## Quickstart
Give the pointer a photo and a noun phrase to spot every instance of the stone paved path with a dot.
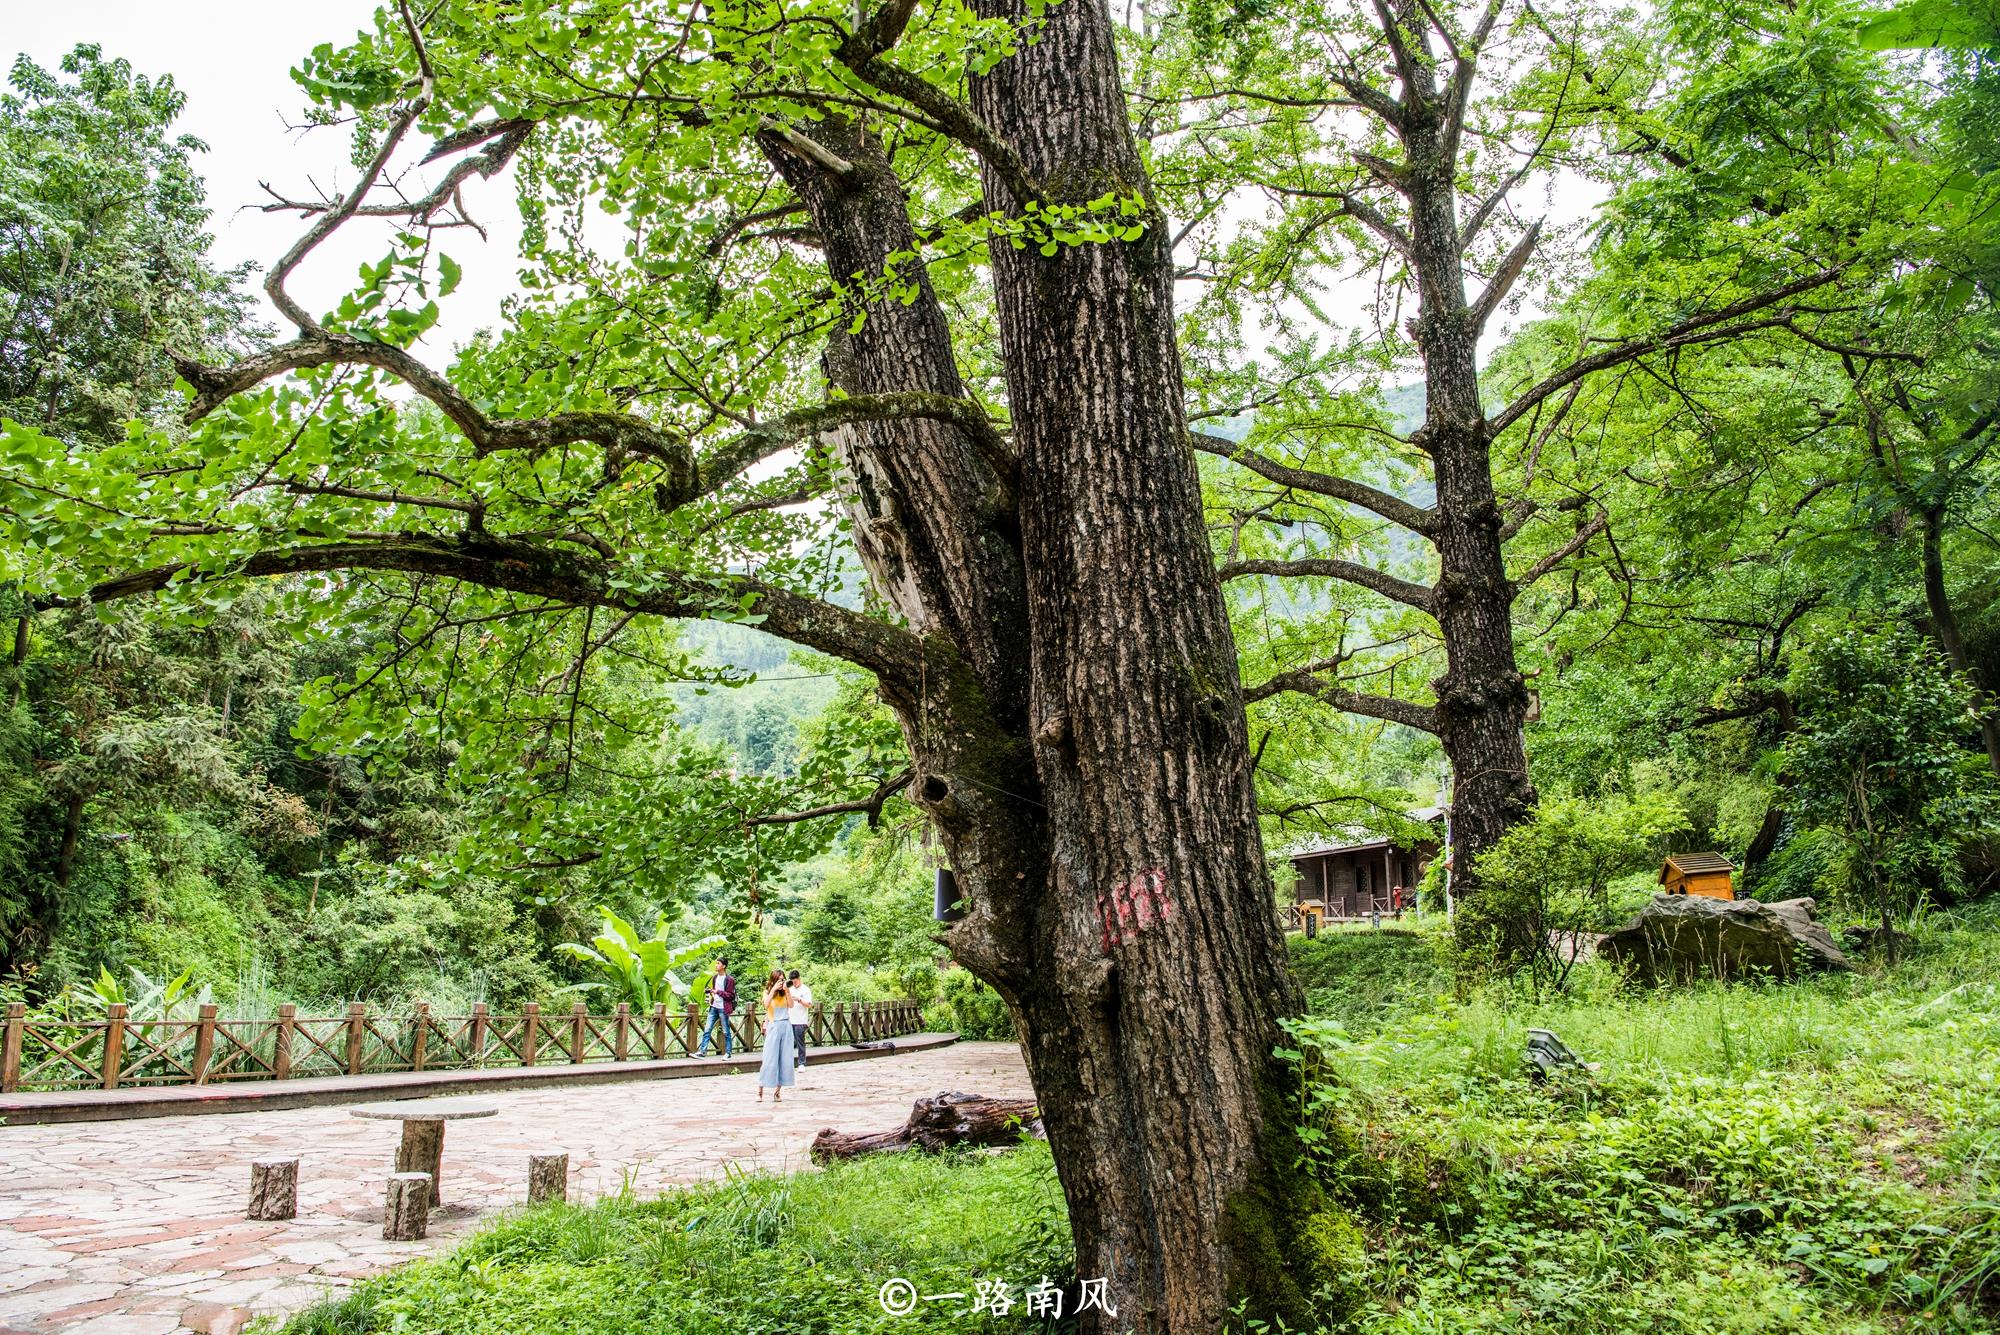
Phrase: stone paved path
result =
(137, 1228)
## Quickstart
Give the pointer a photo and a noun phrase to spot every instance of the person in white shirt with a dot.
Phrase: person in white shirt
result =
(802, 1006)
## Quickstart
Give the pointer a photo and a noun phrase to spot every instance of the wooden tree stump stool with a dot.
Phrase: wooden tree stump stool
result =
(421, 1149)
(406, 1212)
(274, 1189)
(548, 1178)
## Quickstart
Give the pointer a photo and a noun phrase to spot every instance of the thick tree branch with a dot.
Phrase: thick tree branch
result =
(1503, 279)
(1465, 67)
(1408, 69)
(1520, 511)
(1419, 596)
(503, 139)
(810, 149)
(1721, 323)
(1765, 702)
(1584, 533)
(871, 804)
(1311, 680)
(618, 433)
(1470, 231)
(862, 53)
(575, 580)
(1352, 206)
(767, 438)
(385, 497)
(1392, 508)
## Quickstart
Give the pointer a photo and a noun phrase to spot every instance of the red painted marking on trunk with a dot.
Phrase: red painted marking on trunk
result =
(1134, 906)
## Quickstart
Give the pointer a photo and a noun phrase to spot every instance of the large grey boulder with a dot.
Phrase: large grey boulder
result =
(1682, 937)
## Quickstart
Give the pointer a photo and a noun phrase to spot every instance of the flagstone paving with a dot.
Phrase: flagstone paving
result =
(137, 1227)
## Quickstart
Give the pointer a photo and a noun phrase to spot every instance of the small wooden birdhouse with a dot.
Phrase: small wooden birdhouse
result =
(1704, 874)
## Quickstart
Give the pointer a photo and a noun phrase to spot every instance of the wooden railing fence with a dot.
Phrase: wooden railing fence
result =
(119, 1050)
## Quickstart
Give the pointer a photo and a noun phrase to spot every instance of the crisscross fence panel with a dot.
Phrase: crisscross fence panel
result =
(120, 1051)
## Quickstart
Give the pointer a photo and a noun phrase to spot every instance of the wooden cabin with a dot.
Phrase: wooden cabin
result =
(1351, 881)
(1704, 874)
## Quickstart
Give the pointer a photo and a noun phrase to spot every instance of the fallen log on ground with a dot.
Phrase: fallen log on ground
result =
(938, 1123)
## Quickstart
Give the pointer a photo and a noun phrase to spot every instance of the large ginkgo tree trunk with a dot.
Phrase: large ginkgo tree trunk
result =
(1054, 646)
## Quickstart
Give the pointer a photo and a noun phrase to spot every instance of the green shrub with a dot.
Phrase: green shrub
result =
(846, 982)
(969, 1007)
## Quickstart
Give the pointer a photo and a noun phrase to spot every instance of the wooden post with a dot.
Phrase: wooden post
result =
(476, 1040)
(357, 1020)
(281, 1048)
(548, 1178)
(204, 1043)
(10, 1050)
(692, 1030)
(578, 1018)
(274, 1189)
(406, 1213)
(420, 1038)
(659, 1030)
(114, 1043)
(621, 1038)
(531, 1019)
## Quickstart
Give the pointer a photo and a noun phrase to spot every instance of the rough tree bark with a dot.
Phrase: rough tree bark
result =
(72, 832)
(1482, 700)
(274, 1189)
(548, 1178)
(1078, 731)
(406, 1207)
(1950, 638)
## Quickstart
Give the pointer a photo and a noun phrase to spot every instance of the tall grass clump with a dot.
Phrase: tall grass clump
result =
(805, 1253)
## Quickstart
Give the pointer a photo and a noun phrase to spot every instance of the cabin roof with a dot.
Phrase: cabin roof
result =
(1694, 864)
(1334, 850)
(1352, 844)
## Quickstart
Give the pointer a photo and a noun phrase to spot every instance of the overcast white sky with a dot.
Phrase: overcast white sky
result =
(232, 58)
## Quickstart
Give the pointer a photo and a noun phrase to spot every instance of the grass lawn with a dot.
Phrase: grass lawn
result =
(1815, 1157)
(749, 1255)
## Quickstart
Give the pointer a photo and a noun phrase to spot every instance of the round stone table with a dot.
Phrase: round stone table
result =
(422, 1147)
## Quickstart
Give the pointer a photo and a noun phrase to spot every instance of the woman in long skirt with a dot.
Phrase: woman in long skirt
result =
(778, 1070)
